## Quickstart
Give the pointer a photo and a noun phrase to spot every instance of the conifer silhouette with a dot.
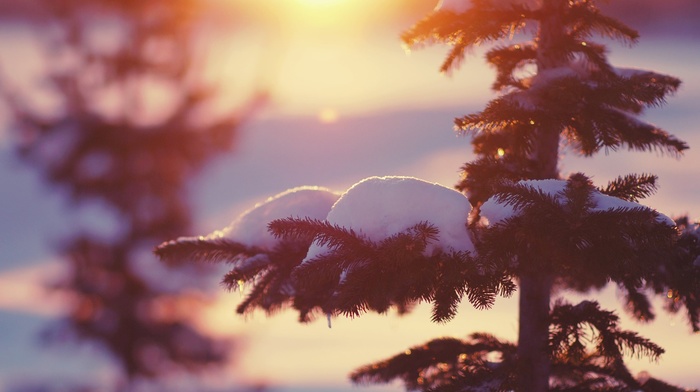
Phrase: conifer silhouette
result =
(531, 228)
(130, 164)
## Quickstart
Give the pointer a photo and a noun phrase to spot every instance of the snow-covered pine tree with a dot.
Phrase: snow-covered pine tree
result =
(526, 227)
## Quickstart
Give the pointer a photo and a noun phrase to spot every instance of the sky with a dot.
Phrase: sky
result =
(347, 102)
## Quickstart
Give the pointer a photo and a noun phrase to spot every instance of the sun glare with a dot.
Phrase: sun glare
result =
(312, 56)
(329, 14)
(328, 116)
(320, 3)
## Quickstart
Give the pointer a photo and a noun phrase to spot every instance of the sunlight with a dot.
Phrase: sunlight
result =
(293, 16)
(327, 14)
(328, 116)
(321, 3)
(345, 55)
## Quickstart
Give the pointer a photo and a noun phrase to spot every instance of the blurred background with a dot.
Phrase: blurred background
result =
(127, 123)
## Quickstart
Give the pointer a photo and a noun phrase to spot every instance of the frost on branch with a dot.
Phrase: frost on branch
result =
(256, 256)
(393, 241)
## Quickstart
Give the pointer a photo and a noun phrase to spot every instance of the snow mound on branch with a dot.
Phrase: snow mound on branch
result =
(250, 228)
(494, 211)
(379, 207)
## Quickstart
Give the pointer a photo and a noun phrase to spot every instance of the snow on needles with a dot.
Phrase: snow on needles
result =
(494, 211)
(250, 228)
(379, 207)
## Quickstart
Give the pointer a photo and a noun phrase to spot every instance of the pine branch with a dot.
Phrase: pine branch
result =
(612, 129)
(592, 116)
(568, 235)
(594, 113)
(445, 363)
(594, 55)
(507, 60)
(641, 136)
(524, 196)
(200, 249)
(482, 23)
(321, 232)
(591, 375)
(586, 18)
(677, 278)
(637, 303)
(642, 89)
(578, 194)
(478, 280)
(631, 344)
(481, 178)
(246, 268)
(315, 284)
(362, 275)
(397, 272)
(271, 292)
(639, 221)
(231, 282)
(500, 113)
(483, 362)
(631, 187)
(415, 237)
(568, 336)
(511, 141)
(626, 244)
(269, 277)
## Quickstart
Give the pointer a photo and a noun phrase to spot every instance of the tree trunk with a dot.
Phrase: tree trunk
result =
(533, 334)
(536, 283)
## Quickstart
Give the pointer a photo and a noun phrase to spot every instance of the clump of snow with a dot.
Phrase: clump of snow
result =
(379, 207)
(250, 228)
(493, 211)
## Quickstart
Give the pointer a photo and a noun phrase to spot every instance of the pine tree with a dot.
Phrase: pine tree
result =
(531, 229)
(133, 166)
